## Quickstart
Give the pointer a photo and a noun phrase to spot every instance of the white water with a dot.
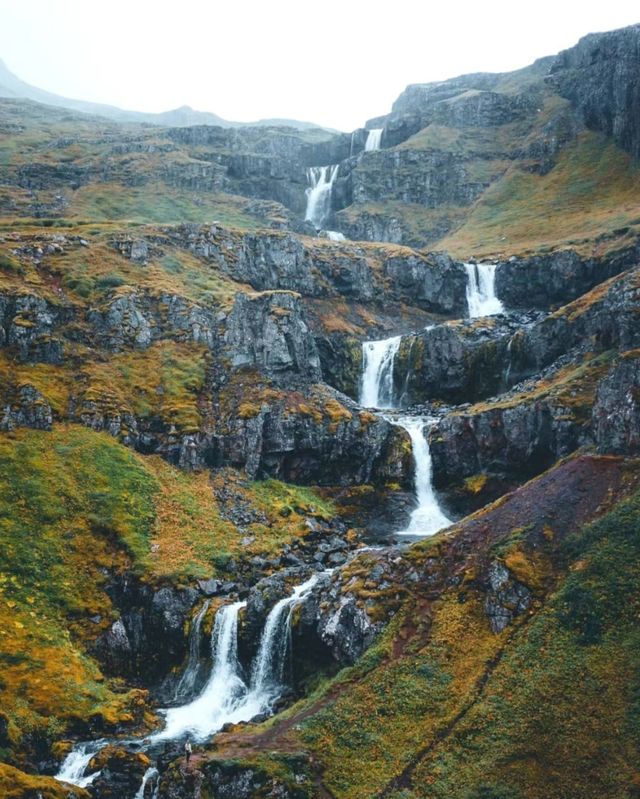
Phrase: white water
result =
(75, 764)
(268, 669)
(319, 193)
(428, 518)
(226, 697)
(149, 774)
(481, 293)
(187, 682)
(373, 140)
(335, 235)
(376, 390)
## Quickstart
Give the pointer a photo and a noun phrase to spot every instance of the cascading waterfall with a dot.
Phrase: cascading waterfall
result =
(187, 682)
(378, 357)
(481, 294)
(226, 697)
(373, 140)
(150, 774)
(321, 180)
(428, 517)
(268, 669)
(221, 699)
(75, 764)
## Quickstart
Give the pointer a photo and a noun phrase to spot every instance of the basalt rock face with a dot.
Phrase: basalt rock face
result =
(271, 261)
(457, 362)
(342, 447)
(616, 411)
(511, 443)
(420, 177)
(543, 281)
(604, 318)
(226, 779)
(28, 409)
(434, 283)
(136, 319)
(601, 77)
(130, 646)
(506, 597)
(269, 332)
(334, 619)
(26, 325)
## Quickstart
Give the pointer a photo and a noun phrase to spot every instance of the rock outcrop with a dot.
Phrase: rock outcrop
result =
(543, 281)
(616, 411)
(600, 77)
(269, 332)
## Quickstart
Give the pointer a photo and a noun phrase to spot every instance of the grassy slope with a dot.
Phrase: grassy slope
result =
(442, 707)
(559, 714)
(74, 503)
(593, 189)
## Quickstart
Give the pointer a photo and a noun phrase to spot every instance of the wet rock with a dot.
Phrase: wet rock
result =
(120, 774)
(130, 646)
(543, 281)
(511, 442)
(342, 447)
(210, 587)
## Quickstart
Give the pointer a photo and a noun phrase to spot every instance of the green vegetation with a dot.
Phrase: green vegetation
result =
(75, 506)
(591, 190)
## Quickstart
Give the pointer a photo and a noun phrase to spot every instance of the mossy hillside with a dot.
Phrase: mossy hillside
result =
(75, 507)
(571, 388)
(72, 505)
(16, 784)
(591, 190)
(372, 727)
(559, 716)
(163, 382)
(548, 709)
(90, 272)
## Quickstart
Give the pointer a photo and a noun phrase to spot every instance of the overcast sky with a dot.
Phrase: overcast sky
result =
(334, 62)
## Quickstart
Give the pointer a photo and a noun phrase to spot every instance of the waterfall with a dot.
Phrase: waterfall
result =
(319, 193)
(187, 682)
(221, 698)
(268, 668)
(378, 357)
(481, 293)
(373, 140)
(226, 697)
(509, 357)
(428, 517)
(75, 764)
(150, 774)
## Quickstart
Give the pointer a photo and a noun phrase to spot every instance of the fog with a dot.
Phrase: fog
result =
(334, 63)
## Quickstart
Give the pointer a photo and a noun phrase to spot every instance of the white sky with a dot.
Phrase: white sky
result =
(334, 62)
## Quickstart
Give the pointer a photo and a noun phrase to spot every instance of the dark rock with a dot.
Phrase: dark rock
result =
(557, 278)
(29, 409)
(506, 597)
(601, 77)
(210, 587)
(616, 411)
(269, 331)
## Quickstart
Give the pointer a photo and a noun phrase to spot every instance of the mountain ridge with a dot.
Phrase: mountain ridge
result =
(12, 86)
